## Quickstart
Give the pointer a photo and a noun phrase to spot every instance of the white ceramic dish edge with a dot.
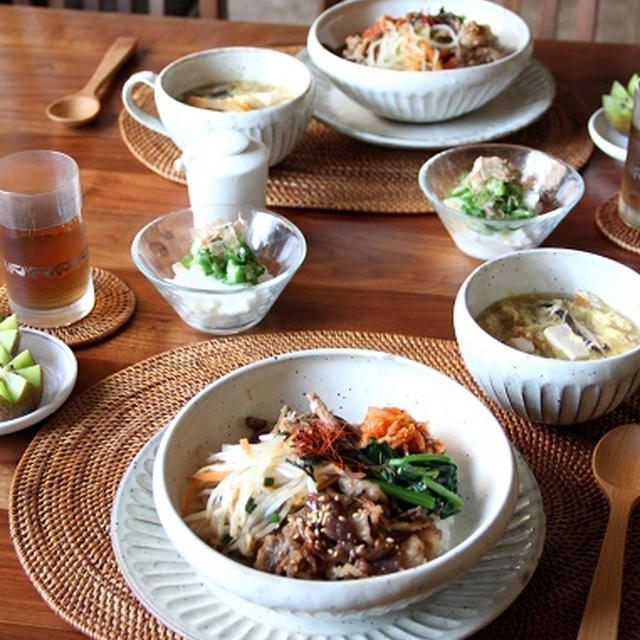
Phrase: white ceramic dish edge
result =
(605, 137)
(505, 114)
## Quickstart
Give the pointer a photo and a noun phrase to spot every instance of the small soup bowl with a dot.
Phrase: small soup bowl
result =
(279, 126)
(548, 390)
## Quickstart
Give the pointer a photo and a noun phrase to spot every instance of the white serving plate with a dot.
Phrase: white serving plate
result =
(526, 99)
(605, 137)
(60, 369)
(181, 599)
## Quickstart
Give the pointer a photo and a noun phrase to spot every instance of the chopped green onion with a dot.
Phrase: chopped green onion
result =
(250, 505)
(187, 260)
(235, 273)
(496, 187)
(227, 257)
(268, 481)
(274, 517)
(205, 261)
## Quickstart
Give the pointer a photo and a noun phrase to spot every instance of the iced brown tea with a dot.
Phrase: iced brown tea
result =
(629, 199)
(45, 268)
(44, 257)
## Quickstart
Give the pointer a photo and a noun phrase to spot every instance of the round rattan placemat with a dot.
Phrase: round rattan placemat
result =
(331, 171)
(610, 223)
(115, 302)
(63, 488)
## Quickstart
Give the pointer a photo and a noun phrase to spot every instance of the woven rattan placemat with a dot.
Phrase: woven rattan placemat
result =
(64, 487)
(331, 171)
(610, 223)
(115, 303)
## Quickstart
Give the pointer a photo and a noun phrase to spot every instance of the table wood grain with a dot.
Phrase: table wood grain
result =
(363, 271)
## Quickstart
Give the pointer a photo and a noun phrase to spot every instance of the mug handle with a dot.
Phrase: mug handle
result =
(143, 117)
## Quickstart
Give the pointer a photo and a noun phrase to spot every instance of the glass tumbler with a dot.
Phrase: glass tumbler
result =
(629, 198)
(43, 245)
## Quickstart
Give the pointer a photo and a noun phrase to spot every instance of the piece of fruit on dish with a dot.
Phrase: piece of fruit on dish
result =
(9, 333)
(618, 104)
(21, 378)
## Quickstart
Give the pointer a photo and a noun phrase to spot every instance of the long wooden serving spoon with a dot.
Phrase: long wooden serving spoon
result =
(83, 106)
(616, 466)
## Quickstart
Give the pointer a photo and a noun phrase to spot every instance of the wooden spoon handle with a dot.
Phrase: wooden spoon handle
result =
(112, 60)
(602, 611)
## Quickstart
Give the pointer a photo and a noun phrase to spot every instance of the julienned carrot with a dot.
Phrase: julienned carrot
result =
(197, 480)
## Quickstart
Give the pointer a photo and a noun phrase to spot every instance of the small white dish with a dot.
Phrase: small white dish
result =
(526, 99)
(60, 370)
(181, 599)
(605, 137)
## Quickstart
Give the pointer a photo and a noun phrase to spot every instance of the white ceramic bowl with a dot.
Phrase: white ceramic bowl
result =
(276, 241)
(482, 238)
(348, 380)
(279, 127)
(418, 96)
(541, 389)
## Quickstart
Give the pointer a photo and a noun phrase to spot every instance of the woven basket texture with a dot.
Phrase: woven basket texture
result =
(610, 223)
(115, 303)
(65, 484)
(330, 171)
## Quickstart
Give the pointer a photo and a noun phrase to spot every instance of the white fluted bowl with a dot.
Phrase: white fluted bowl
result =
(349, 381)
(418, 96)
(541, 389)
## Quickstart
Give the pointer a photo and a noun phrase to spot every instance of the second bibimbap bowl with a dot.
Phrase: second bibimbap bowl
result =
(334, 481)
(420, 61)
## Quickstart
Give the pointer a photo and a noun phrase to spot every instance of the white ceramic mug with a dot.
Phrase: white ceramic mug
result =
(279, 127)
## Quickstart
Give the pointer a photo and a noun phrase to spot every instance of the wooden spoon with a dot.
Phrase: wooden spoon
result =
(616, 466)
(83, 106)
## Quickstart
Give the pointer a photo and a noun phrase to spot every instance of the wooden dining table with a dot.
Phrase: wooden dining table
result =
(364, 271)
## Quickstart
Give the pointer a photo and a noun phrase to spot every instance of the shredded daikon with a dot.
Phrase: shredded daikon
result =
(241, 508)
(422, 42)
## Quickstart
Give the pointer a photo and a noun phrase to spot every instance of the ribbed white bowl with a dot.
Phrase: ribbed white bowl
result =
(548, 390)
(279, 127)
(348, 380)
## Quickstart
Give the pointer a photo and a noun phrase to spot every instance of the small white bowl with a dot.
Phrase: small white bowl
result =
(418, 96)
(223, 310)
(483, 238)
(548, 390)
(349, 381)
